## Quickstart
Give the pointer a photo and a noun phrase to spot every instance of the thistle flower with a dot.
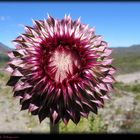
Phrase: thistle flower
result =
(60, 69)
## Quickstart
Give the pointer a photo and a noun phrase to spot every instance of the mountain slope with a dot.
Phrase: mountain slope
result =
(4, 48)
(3, 57)
(126, 59)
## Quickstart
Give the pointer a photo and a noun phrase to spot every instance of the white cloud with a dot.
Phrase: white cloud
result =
(20, 25)
(3, 18)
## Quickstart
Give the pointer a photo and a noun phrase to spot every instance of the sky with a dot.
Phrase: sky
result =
(117, 22)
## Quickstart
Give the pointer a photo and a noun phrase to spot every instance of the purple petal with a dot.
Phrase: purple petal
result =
(16, 72)
(32, 107)
(13, 80)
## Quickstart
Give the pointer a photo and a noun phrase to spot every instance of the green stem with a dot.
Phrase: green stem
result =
(54, 129)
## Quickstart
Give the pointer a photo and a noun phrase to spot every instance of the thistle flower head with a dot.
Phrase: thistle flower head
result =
(60, 69)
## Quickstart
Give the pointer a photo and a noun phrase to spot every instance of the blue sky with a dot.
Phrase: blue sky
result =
(117, 22)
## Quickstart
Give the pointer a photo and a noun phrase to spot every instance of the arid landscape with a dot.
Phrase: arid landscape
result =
(119, 115)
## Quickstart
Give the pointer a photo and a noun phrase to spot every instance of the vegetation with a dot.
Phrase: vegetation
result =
(3, 60)
(135, 88)
(126, 60)
(127, 63)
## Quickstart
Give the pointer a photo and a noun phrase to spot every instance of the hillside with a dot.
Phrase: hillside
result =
(3, 48)
(3, 56)
(121, 51)
(126, 59)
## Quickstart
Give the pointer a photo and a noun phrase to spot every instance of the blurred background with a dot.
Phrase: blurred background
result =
(119, 24)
